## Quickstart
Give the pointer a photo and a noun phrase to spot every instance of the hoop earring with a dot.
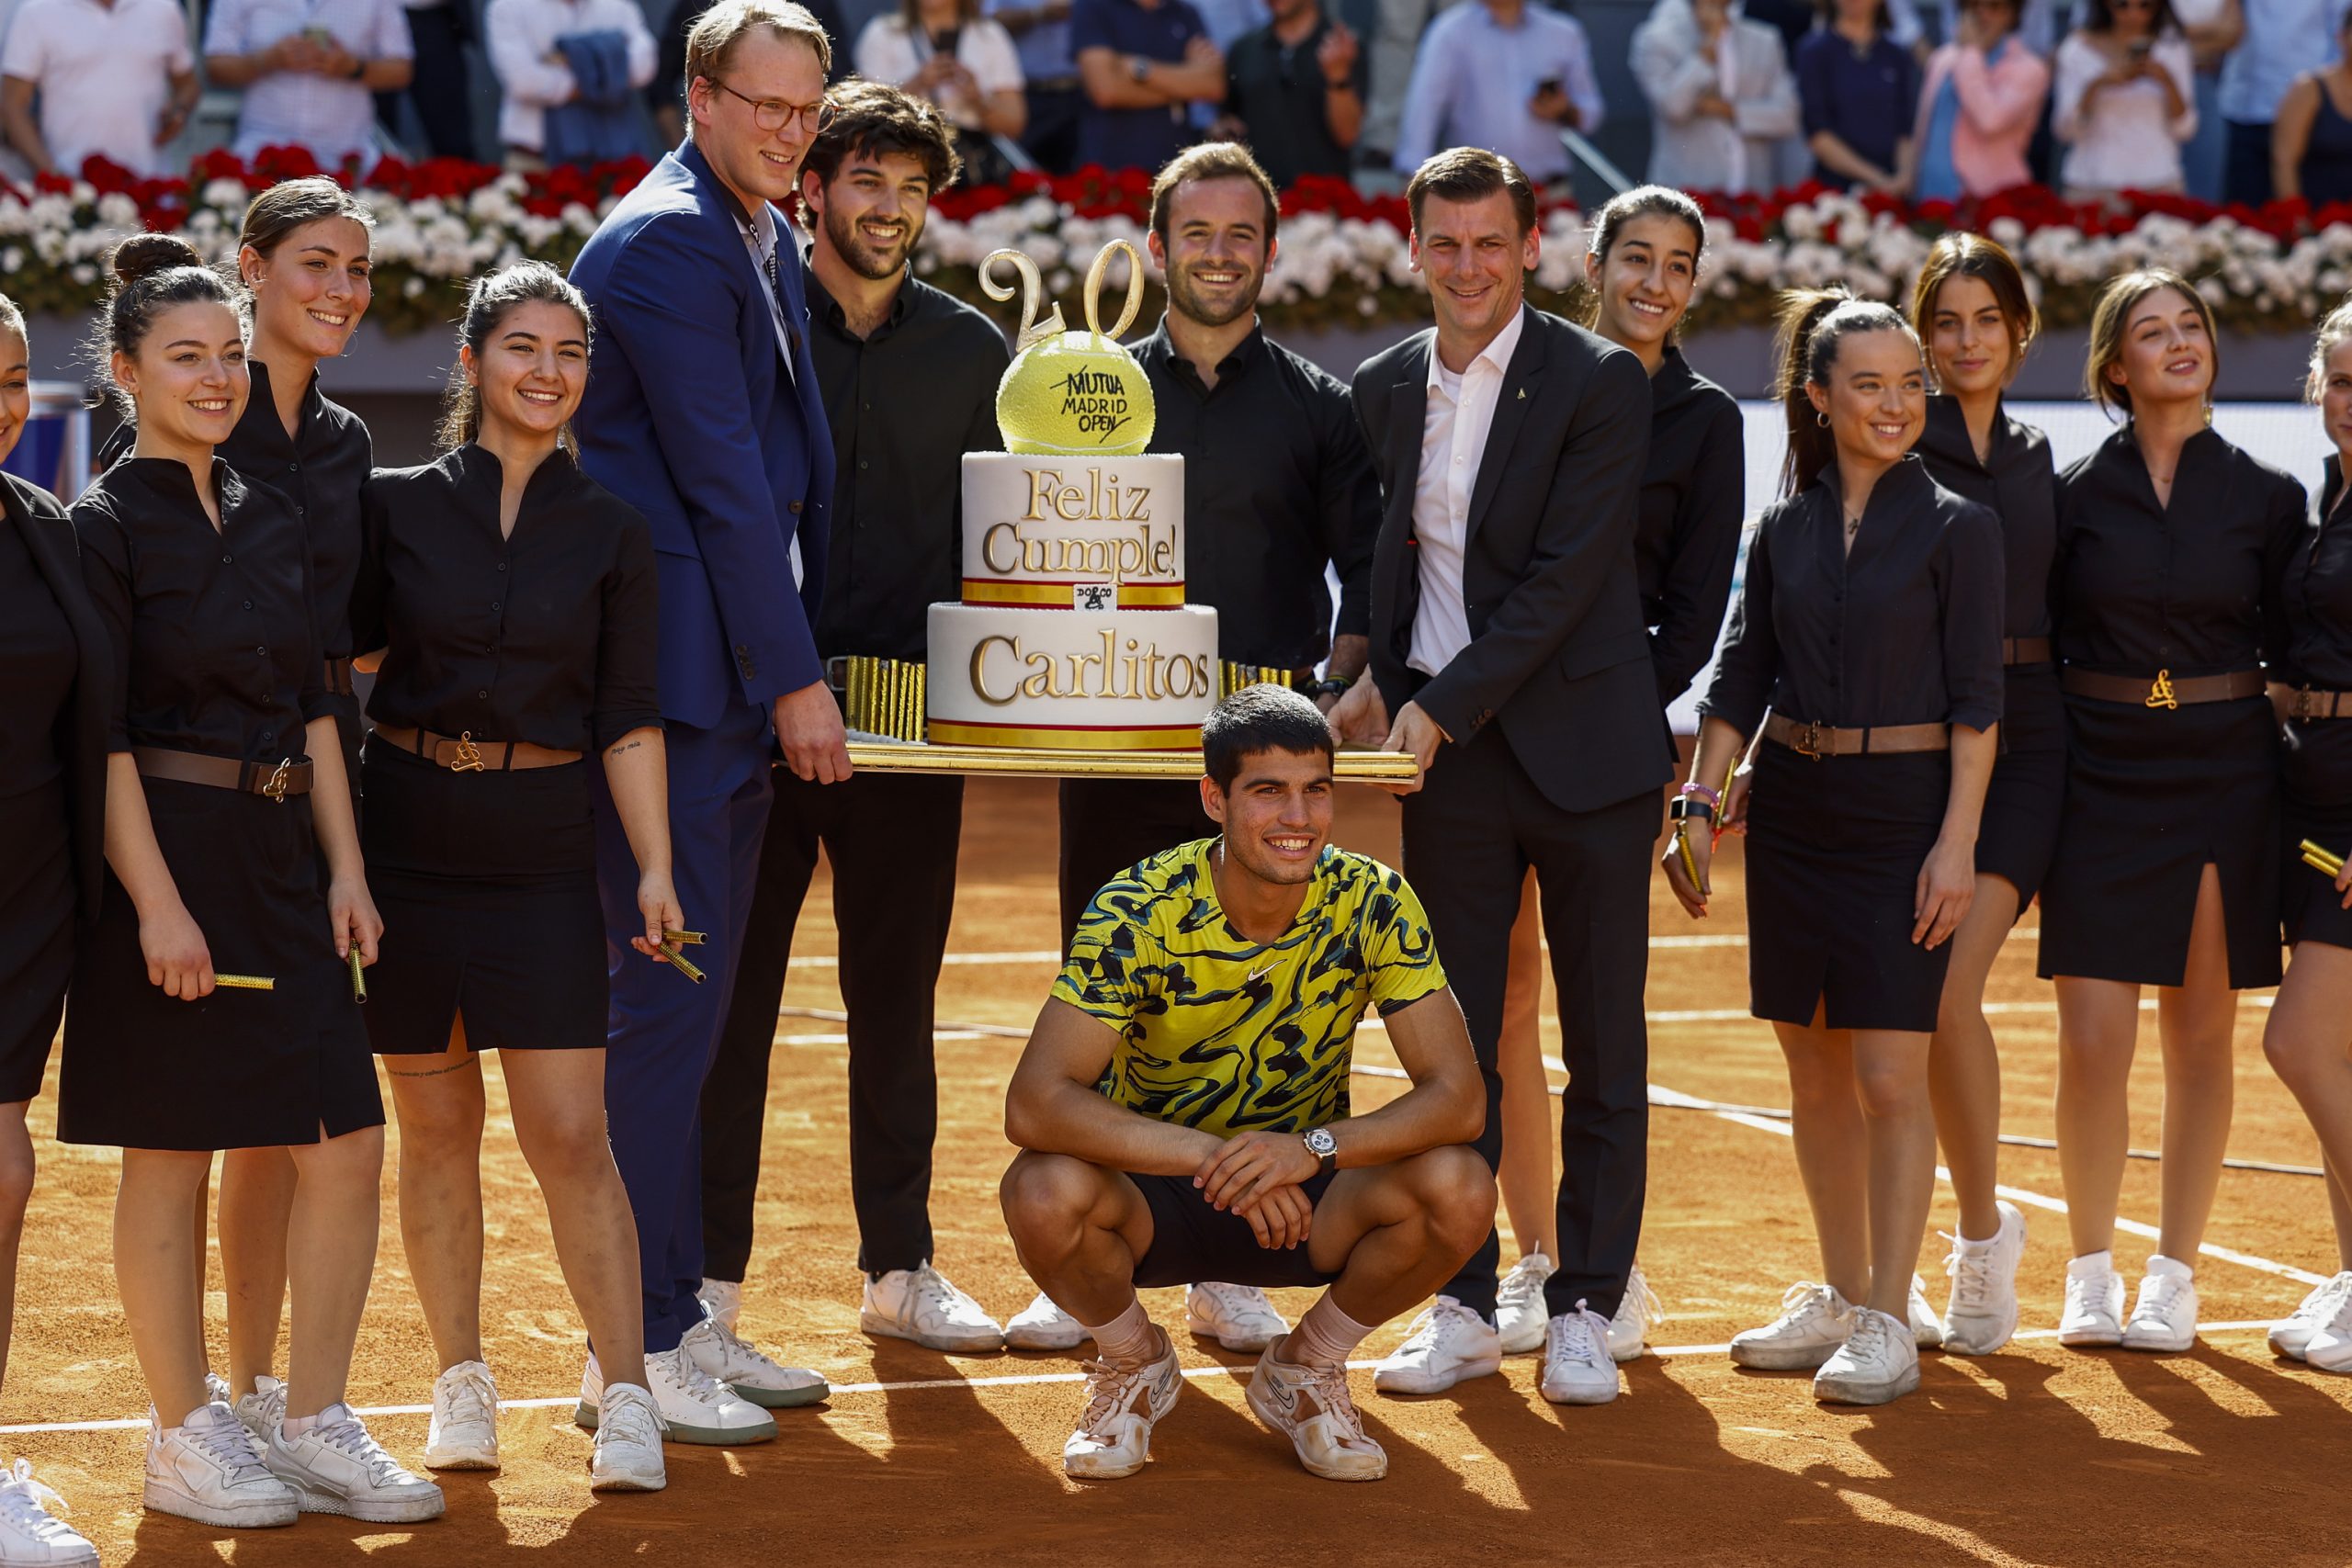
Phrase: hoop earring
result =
(1821, 418)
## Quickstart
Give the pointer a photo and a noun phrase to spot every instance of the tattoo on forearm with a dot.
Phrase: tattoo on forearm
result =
(431, 1072)
(623, 746)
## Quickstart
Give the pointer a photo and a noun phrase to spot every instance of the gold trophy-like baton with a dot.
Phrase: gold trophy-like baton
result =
(2322, 859)
(244, 982)
(678, 961)
(358, 976)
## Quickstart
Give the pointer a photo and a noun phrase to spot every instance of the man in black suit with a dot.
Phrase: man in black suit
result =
(1507, 640)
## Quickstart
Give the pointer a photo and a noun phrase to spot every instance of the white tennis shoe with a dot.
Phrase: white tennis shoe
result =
(1042, 1326)
(1123, 1403)
(2094, 1310)
(2330, 1348)
(463, 1433)
(1311, 1407)
(1983, 1311)
(264, 1410)
(1638, 1311)
(723, 1297)
(923, 1304)
(627, 1456)
(2164, 1315)
(1926, 1328)
(693, 1406)
(337, 1468)
(1519, 1313)
(1577, 1367)
(30, 1536)
(1447, 1343)
(1878, 1362)
(2291, 1334)
(1815, 1320)
(209, 1468)
(1238, 1317)
(756, 1378)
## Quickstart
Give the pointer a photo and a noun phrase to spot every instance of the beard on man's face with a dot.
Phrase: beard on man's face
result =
(1220, 310)
(866, 258)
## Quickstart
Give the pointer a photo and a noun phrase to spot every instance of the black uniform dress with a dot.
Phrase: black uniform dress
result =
(213, 647)
(487, 881)
(2019, 484)
(1686, 540)
(54, 687)
(2154, 794)
(2318, 771)
(1905, 628)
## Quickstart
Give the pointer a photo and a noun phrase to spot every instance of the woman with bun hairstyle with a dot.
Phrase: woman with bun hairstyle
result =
(1971, 309)
(2173, 548)
(513, 599)
(214, 1005)
(2309, 1036)
(1870, 628)
(56, 683)
(1642, 271)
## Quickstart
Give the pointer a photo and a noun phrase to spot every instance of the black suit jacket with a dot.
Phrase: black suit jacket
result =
(1558, 653)
(82, 735)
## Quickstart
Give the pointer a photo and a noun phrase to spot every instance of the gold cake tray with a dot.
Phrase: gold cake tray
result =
(882, 755)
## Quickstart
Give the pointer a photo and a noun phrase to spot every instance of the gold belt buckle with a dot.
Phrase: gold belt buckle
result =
(2160, 693)
(1809, 743)
(2303, 708)
(468, 757)
(275, 785)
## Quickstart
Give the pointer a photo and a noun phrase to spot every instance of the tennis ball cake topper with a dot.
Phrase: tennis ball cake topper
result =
(1068, 393)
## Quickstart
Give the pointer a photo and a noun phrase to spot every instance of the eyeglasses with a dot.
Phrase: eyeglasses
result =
(773, 114)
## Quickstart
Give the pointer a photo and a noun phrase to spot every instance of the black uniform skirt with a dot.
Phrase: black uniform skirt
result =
(487, 884)
(2319, 807)
(2153, 794)
(239, 1069)
(35, 934)
(1834, 852)
(2020, 829)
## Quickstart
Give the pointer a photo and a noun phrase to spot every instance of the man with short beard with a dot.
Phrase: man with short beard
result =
(909, 376)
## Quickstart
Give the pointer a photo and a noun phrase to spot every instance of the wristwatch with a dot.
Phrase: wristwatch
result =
(1139, 67)
(1325, 1148)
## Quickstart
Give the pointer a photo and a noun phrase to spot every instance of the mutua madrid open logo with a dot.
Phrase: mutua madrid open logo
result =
(1096, 400)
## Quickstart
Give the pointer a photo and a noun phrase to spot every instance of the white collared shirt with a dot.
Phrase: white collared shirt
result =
(761, 236)
(1453, 440)
(334, 118)
(104, 74)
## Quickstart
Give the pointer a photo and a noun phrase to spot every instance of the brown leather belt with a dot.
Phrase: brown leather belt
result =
(2026, 650)
(339, 677)
(273, 780)
(1819, 740)
(2163, 692)
(467, 755)
(2313, 704)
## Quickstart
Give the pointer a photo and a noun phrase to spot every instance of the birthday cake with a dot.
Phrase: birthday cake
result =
(1072, 631)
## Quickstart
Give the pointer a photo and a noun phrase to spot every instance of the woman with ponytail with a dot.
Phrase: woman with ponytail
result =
(514, 600)
(1869, 630)
(1641, 274)
(1972, 310)
(215, 1004)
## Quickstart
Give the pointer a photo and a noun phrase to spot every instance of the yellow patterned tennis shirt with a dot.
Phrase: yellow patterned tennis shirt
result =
(1229, 1036)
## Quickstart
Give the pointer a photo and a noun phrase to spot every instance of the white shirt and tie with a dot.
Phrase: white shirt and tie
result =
(760, 234)
(1454, 427)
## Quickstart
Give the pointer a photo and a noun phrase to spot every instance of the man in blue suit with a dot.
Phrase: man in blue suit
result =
(703, 411)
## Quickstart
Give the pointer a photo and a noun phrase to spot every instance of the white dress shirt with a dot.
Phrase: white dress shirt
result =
(1454, 441)
(889, 51)
(761, 238)
(103, 74)
(522, 37)
(2123, 139)
(1474, 78)
(335, 118)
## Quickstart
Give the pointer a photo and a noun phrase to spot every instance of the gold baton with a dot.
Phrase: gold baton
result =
(245, 982)
(678, 962)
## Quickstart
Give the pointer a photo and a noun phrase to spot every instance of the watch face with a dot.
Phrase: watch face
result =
(1321, 1141)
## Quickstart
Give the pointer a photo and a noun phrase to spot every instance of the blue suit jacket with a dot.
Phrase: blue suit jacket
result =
(690, 418)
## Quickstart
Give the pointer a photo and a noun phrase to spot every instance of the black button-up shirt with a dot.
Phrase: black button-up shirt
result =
(38, 663)
(905, 404)
(549, 635)
(2193, 587)
(1277, 485)
(2019, 483)
(1692, 502)
(1905, 628)
(1279, 93)
(211, 630)
(2317, 596)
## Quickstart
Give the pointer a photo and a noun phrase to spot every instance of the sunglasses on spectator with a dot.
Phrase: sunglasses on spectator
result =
(772, 114)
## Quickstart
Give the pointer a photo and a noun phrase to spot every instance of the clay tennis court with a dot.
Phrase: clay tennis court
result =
(2038, 1455)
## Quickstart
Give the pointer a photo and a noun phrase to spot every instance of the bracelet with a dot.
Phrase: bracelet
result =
(1684, 806)
(1713, 798)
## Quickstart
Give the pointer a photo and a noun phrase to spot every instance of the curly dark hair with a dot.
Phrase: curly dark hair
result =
(874, 119)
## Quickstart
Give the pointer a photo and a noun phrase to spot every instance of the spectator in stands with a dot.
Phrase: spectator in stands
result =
(308, 71)
(1720, 96)
(2283, 39)
(1396, 41)
(1294, 93)
(2040, 26)
(963, 61)
(1506, 76)
(1040, 31)
(2125, 101)
(1860, 92)
(113, 77)
(2213, 27)
(2311, 141)
(438, 32)
(1978, 107)
(1144, 64)
(665, 95)
(569, 72)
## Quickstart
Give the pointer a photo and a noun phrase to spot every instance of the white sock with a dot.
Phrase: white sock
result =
(1127, 1338)
(1326, 1336)
(2160, 1267)
(2091, 1263)
(296, 1426)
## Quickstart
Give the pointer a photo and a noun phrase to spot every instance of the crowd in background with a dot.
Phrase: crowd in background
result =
(2236, 100)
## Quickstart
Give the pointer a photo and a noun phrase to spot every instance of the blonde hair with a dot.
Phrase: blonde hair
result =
(710, 47)
(2113, 313)
(2334, 332)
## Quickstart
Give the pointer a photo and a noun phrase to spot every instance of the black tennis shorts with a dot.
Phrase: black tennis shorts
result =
(1192, 1241)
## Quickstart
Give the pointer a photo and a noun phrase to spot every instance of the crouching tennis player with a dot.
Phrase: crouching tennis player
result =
(1183, 1104)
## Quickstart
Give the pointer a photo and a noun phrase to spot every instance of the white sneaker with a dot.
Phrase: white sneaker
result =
(1982, 1311)
(336, 1467)
(1042, 1326)
(1638, 1311)
(209, 1470)
(693, 1407)
(2094, 1313)
(264, 1410)
(1311, 1405)
(1814, 1320)
(2164, 1316)
(923, 1306)
(1878, 1362)
(217, 1390)
(629, 1442)
(1577, 1367)
(1926, 1328)
(2329, 1349)
(757, 1379)
(463, 1433)
(1238, 1317)
(1448, 1343)
(723, 1297)
(1519, 1313)
(29, 1533)
(2291, 1334)
(1113, 1434)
